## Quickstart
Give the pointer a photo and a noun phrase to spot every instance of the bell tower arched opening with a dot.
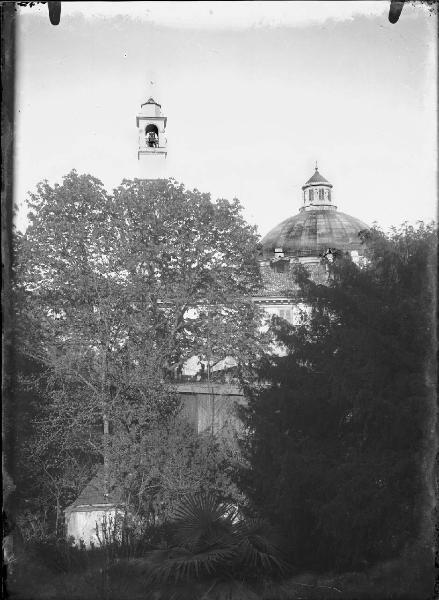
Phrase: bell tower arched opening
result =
(152, 136)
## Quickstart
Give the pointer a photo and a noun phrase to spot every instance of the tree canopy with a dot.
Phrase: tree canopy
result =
(112, 291)
(340, 428)
(144, 262)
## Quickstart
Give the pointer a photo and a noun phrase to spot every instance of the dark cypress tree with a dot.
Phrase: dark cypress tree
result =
(341, 428)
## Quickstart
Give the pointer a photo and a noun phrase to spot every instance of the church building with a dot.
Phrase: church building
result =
(317, 229)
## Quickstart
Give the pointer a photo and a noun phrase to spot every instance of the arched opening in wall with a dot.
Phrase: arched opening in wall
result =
(152, 136)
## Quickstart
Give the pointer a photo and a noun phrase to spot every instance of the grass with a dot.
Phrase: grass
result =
(58, 572)
(124, 581)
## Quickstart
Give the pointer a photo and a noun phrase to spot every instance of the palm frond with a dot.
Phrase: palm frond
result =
(257, 547)
(201, 521)
(211, 547)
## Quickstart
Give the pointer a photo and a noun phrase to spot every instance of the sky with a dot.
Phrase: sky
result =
(255, 93)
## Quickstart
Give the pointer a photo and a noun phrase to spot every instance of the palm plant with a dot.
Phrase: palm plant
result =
(212, 554)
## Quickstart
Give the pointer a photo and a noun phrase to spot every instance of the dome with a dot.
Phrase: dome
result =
(310, 233)
(318, 226)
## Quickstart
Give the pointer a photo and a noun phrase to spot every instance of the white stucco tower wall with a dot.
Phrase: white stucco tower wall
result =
(152, 142)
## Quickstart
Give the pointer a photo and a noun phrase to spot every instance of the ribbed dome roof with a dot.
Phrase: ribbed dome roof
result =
(310, 233)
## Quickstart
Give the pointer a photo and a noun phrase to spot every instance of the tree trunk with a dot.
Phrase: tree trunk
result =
(106, 461)
(58, 515)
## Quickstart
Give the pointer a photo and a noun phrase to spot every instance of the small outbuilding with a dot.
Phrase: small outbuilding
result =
(95, 513)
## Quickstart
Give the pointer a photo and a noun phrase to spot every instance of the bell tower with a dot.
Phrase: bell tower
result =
(152, 145)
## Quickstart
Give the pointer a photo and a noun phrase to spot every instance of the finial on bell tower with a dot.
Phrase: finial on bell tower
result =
(152, 145)
(317, 167)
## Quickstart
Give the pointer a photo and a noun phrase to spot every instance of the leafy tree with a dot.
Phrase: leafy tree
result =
(195, 261)
(340, 428)
(112, 291)
(171, 461)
